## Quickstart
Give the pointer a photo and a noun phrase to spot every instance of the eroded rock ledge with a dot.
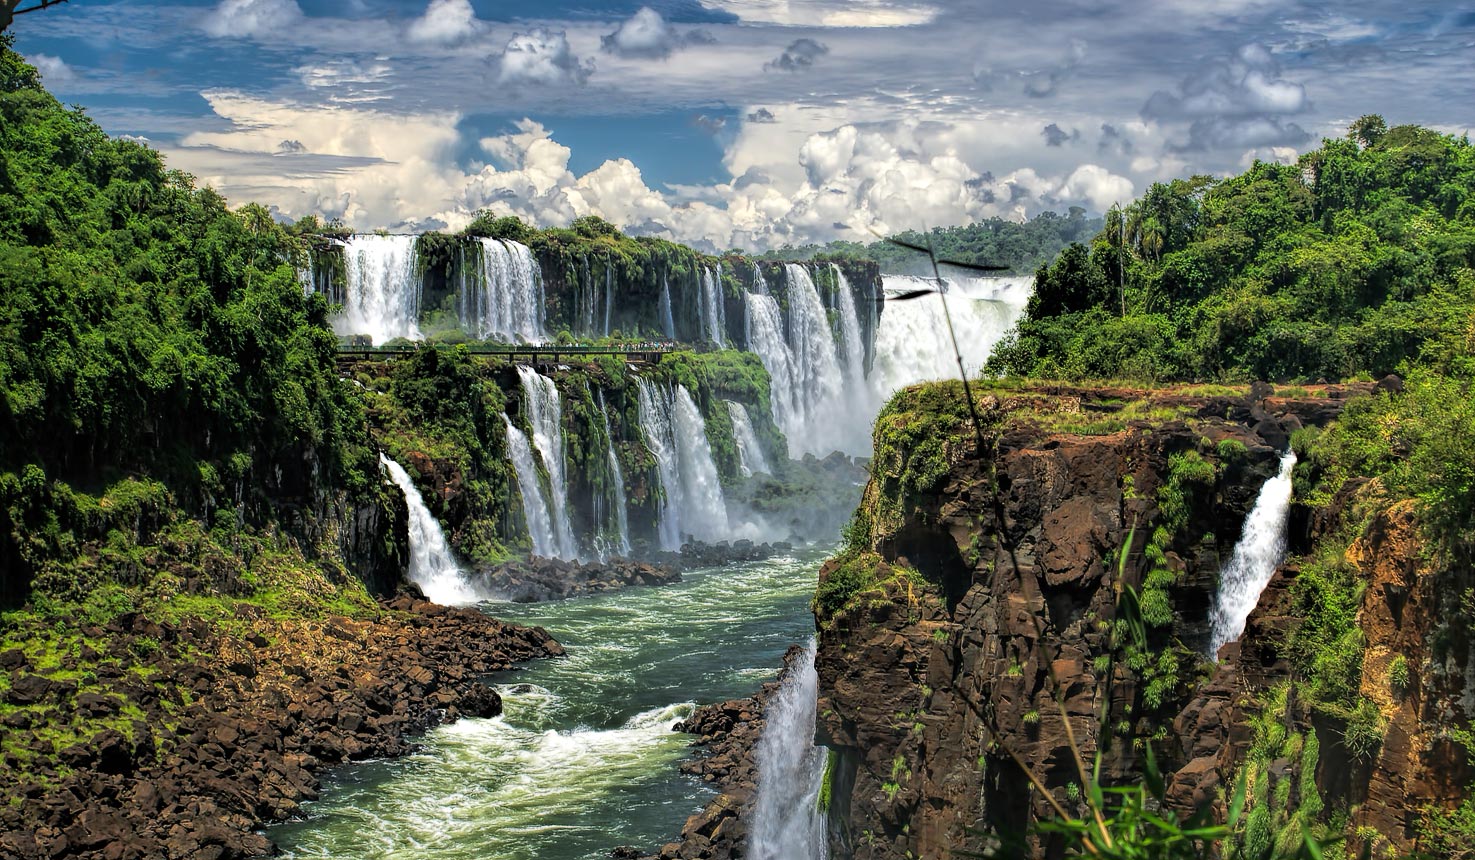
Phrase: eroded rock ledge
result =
(223, 729)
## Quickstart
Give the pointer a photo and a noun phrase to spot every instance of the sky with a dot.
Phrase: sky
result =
(739, 123)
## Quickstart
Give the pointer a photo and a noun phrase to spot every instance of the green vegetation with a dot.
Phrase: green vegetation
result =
(1348, 261)
(995, 241)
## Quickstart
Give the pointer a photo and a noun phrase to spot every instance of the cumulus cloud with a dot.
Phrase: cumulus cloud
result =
(246, 18)
(1057, 136)
(1042, 83)
(709, 124)
(446, 22)
(1096, 186)
(800, 55)
(1114, 141)
(762, 115)
(542, 57)
(54, 72)
(1239, 102)
(828, 13)
(646, 34)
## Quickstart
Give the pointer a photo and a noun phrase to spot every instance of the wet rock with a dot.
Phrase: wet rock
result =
(539, 579)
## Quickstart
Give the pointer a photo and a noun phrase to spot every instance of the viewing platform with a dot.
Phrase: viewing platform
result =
(532, 354)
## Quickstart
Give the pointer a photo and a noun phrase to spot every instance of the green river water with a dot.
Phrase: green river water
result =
(584, 758)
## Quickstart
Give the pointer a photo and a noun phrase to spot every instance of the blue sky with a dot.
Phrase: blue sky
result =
(739, 123)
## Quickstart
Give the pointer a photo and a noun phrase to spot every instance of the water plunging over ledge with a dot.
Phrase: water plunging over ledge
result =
(1258, 553)
(432, 565)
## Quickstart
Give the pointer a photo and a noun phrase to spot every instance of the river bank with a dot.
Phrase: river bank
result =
(213, 730)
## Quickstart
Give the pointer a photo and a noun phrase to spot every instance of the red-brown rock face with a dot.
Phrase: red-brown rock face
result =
(985, 614)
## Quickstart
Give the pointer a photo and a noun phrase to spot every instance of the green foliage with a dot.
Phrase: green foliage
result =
(1363, 736)
(1347, 262)
(1448, 833)
(853, 575)
(1399, 676)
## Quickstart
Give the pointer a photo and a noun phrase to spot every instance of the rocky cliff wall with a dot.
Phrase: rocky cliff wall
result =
(970, 616)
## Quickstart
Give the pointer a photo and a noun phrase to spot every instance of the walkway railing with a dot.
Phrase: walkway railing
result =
(548, 352)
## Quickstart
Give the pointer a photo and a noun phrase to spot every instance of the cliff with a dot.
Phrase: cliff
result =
(971, 613)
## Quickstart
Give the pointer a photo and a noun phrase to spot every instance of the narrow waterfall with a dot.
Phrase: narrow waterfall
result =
(619, 507)
(545, 414)
(765, 334)
(1259, 551)
(609, 292)
(912, 343)
(432, 566)
(854, 347)
(535, 506)
(713, 313)
(750, 452)
(787, 823)
(760, 283)
(503, 297)
(382, 299)
(668, 321)
(692, 502)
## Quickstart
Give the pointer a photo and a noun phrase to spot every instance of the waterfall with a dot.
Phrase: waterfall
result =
(668, 321)
(1258, 553)
(534, 502)
(692, 502)
(912, 343)
(765, 334)
(609, 293)
(545, 415)
(504, 299)
(750, 452)
(860, 400)
(618, 505)
(760, 283)
(432, 566)
(382, 298)
(786, 822)
(713, 313)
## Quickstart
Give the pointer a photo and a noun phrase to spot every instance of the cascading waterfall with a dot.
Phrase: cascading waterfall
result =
(432, 565)
(535, 506)
(853, 344)
(765, 334)
(668, 320)
(1259, 551)
(713, 312)
(750, 452)
(786, 822)
(609, 293)
(503, 299)
(912, 343)
(692, 502)
(618, 506)
(382, 299)
(545, 415)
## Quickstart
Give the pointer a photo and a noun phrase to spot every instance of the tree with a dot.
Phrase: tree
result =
(11, 8)
(1368, 130)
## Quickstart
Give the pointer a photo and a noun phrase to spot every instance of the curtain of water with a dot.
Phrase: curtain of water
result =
(786, 822)
(1259, 551)
(432, 565)
(545, 415)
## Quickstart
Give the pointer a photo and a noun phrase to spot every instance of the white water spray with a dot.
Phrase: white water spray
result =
(1259, 551)
(618, 503)
(382, 298)
(432, 565)
(787, 823)
(912, 343)
(713, 310)
(668, 321)
(504, 299)
(535, 505)
(692, 502)
(750, 451)
(545, 415)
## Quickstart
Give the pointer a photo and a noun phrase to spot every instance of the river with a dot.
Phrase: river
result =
(583, 759)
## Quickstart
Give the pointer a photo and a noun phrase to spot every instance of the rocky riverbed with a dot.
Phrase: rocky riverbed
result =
(212, 731)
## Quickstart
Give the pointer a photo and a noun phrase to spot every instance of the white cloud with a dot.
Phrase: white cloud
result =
(828, 13)
(1096, 186)
(245, 18)
(55, 74)
(446, 22)
(542, 57)
(800, 55)
(335, 74)
(1235, 103)
(646, 34)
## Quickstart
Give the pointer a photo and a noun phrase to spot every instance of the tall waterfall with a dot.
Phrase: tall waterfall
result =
(618, 505)
(912, 343)
(503, 297)
(535, 506)
(1259, 551)
(786, 822)
(692, 502)
(750, 451)
(713, 310)
(668, 320)
(432, 566)
(382, 299)
(545, 414)
(609, 293)
(854, 347)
